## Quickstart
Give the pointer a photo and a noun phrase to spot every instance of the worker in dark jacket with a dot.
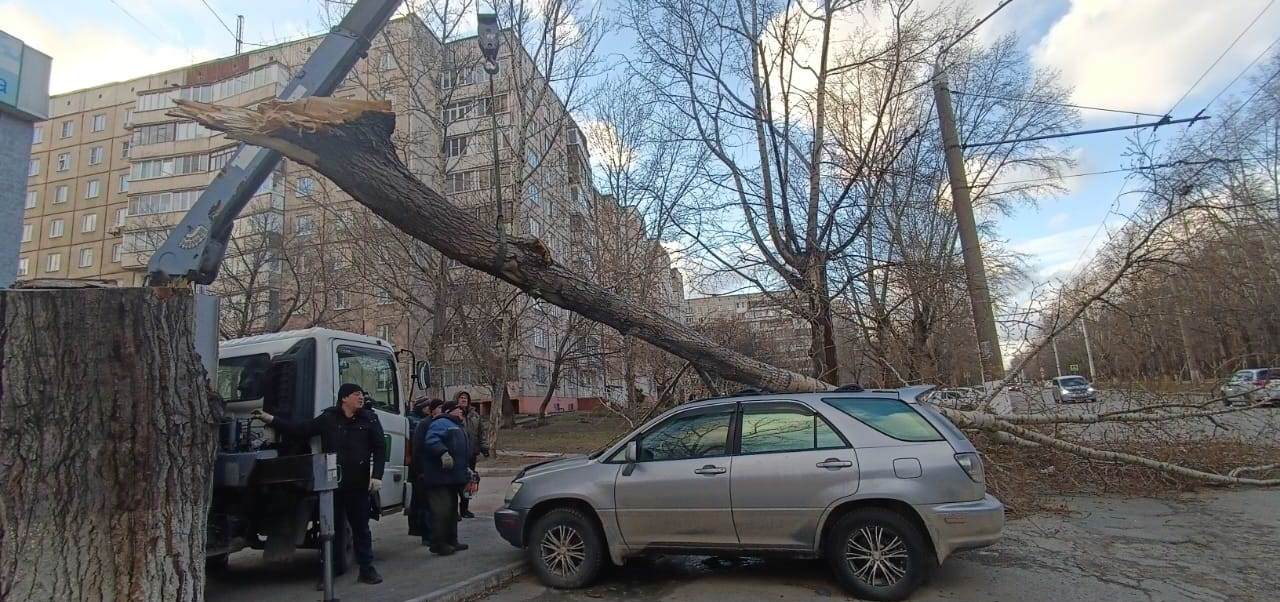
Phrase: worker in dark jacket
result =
(478, 440)
(444, 468)
(353, 432)
(419, 511)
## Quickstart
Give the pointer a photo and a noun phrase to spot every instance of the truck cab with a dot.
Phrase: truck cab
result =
(258, 500)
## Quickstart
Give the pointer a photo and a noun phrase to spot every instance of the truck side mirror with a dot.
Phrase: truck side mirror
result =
(422, 375)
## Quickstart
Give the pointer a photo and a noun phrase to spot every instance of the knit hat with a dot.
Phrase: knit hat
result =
(448, 406)
(347, 389)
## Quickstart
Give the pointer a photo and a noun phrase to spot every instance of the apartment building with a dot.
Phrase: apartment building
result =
(755, 324)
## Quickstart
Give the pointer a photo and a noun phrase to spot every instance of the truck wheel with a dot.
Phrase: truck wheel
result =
(566, 549)
(877, 554)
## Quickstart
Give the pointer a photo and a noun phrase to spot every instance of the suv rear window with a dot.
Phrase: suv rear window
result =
(889, 416)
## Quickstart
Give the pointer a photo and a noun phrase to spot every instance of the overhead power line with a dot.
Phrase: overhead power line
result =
(964, 35)
(1155, 124)
(1246, 69)
(139, 22)
(1220, 56)
(1052, 103)
(227, 27)
(1179, 163)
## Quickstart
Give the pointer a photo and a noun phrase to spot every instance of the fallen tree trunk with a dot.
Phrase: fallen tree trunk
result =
(349, 141)
(107, 436)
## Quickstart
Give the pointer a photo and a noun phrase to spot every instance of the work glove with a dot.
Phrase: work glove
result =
(263, 416)
(375, 485)
(446, 461)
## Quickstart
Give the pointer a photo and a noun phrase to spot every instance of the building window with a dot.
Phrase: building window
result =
(539, 338)
(24, 266)
(33, 197)
(27, 232)
(384, 332)
(64, 161)
(92, 188)
(68, 128)
(219, 159)
(339, 299)
(455, 146)
(54, 263)
(89, 222)
(121, 213)
(458, 77)
(99, 122)
(540, 374)
(167, 202)
(116, 252)
(534, 227)
(33, 167)
(124, 149)
(60, 194)
(95, 155)
(37, 134)
(304, 225)
(306, 186)
(382, 296)
(128, 116)
(86, 257)
(124, 183)
(169, 166)
(387, 62)
(55, 228)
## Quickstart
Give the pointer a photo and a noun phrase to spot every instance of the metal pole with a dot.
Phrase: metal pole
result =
(1088, 351)
(239, 33)
(326, 539)
(979, 295)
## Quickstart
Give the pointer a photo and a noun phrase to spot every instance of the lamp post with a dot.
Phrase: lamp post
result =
(487, 38)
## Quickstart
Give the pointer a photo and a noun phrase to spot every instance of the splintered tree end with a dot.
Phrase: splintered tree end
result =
(305, 129)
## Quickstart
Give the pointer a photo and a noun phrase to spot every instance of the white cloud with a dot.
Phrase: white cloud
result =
(1059, 220)
(1143, 54)
(87, 54)
(1055, 255)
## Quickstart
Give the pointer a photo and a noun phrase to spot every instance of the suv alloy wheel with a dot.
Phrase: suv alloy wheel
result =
(566, 549)
(877, 554)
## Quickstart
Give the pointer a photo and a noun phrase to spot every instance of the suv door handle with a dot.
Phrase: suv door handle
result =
(834, 463)
(710, 469)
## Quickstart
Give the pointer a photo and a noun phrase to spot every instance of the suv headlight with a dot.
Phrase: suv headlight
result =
(972, 465)
(512, 491)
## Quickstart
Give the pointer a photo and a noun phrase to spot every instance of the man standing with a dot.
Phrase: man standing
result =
(419, 511)
(445, 454)
(478, 439)
(353, 432)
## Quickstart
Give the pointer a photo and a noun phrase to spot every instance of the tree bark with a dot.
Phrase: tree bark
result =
(349, 142)
(107, 438)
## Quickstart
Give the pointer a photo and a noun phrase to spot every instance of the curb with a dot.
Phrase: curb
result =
(477, 586)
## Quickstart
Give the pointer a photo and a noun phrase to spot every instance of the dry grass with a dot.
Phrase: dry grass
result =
(1028, 480)
(569, 433)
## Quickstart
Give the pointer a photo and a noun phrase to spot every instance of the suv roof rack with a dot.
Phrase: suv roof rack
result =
(748, 391)
(850, 388)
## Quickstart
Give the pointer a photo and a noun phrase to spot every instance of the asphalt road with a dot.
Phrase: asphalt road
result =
(1253, 425)
(1221, 545)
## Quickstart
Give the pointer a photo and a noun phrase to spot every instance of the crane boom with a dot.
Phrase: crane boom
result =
(193, 252)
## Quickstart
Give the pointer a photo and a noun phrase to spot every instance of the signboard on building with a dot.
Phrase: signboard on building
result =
(24, 79)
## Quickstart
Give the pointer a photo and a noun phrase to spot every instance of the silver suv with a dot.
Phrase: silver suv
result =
(883, 487)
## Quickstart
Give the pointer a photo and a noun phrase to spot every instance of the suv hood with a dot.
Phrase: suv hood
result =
(549, 466)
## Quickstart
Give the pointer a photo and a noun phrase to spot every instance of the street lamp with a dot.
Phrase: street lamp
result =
(487, 38)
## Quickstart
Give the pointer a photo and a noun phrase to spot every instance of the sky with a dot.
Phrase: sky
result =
(1140, 55)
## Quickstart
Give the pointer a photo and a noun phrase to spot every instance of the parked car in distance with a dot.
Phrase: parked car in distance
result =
(1072, 388)
(1252, 386)
(957, 398)
(881, 486)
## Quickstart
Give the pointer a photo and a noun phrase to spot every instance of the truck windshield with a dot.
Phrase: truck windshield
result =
(242, 378)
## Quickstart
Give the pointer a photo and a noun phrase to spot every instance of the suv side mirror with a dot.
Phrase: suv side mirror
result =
(632, 453)
(422, 375)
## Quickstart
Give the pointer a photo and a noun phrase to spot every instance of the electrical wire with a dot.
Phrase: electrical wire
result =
(1220, 56)
(1246, 69)
(964, 35)
(1052, 103)
(139, 22)
(219, 18)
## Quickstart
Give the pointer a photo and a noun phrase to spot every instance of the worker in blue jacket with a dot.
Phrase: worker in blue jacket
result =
(445, 454)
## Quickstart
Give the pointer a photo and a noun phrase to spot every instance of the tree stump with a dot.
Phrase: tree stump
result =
(107, 437)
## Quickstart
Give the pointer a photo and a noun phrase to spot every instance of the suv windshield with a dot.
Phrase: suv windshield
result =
(1242, 376)
(1073, 382)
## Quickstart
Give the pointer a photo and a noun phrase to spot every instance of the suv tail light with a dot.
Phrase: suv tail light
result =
(972, 465)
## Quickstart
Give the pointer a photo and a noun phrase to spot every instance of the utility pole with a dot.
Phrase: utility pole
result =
(1057, 363)
(1088, 351)
(239, 33)
(984, 320)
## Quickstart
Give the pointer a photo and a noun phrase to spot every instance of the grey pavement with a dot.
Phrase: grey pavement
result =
(1219, 545)
(408, 569)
